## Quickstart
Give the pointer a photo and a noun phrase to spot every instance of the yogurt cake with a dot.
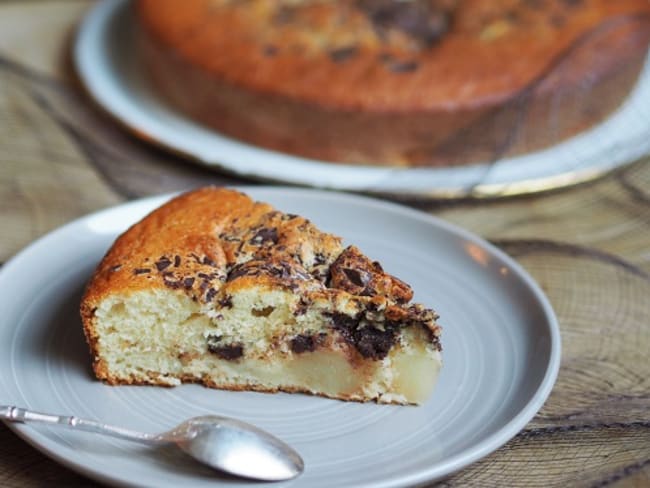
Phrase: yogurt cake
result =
(394, 82)
(218, 289)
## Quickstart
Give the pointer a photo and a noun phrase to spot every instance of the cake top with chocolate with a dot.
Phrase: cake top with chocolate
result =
(395, 49)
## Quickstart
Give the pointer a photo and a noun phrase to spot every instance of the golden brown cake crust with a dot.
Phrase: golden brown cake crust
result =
(211, 243)
(391, 82)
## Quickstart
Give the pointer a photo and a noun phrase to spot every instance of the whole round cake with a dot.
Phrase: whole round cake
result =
(389, 82)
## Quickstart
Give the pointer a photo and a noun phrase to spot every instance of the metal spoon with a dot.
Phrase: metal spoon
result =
(229, 445)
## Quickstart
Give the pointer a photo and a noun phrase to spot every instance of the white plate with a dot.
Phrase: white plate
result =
(501, 349)
(108, 68)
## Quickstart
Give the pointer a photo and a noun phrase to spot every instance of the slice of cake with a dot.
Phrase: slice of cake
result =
(215, 288)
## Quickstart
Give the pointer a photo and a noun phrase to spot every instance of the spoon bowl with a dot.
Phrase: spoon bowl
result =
(235, 447)
(226, 444)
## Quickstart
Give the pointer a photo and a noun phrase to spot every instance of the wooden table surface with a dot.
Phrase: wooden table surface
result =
(588, 247)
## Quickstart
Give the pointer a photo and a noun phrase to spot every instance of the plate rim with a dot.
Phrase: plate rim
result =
(86, 49)
(459, 461)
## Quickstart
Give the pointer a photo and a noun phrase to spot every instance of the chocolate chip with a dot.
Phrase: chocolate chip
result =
(302, 306)
(225, 301)
(343, 320)
(374, 343)
(264, 235)
(228, 352)
(177, 261)
(343, 323)
(171, 283)
(370, 341)
(397, 65)
(188, 282)
(403, 66)
(283, 15)
(355, 276)
(269, 51)
(302, 343)
(372, 307)
(557, 21)
(344, 53)
(163, 263)
(512, 16)
(237, 271)
(139, 271)
(210, 294)
(419, 19)
(224, 351)
(208, 261)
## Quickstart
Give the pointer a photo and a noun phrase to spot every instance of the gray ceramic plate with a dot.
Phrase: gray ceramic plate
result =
(107, 66)
(501, 356)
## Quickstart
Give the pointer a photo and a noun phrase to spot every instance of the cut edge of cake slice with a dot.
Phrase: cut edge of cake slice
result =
(217, 289)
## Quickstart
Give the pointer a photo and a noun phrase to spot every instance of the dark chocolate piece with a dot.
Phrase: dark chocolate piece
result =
(303, 343)
(283, 15)
(422, 20)
(210, 294)
(224, 351)
(356, 277)
(370, 341)
(225, 301)
(171, 283)
(374, 343)
(229, 352)
(343, 53)
(402, 66)
(302, 306)
(163, 263)
(264, 235)
(269, 51)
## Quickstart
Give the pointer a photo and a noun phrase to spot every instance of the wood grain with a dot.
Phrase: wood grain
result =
(587, 246)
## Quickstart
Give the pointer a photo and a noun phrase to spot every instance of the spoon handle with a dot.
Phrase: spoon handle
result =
(22, 415)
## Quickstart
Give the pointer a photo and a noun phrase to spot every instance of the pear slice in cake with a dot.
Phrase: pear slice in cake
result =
(217, 289)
